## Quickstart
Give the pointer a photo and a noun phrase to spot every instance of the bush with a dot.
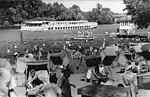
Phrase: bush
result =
(6, 23)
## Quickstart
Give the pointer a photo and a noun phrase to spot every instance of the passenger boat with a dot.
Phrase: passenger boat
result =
(84, 35)
(127, 26)
(57, 25)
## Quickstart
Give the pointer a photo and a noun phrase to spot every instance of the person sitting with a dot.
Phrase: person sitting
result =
(34, 84)
(99, 72)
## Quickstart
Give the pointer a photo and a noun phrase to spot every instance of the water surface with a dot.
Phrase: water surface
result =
(14, 34)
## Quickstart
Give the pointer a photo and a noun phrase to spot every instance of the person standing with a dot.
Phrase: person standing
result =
(63, 82)
(13, 84)
(8, 50)
(129, 80)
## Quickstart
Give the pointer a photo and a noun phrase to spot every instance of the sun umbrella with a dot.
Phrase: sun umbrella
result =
(145, 47)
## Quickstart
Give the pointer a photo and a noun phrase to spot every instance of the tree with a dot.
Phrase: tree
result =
(140, 12)
(76, 9)
(107, 16)
(17, 11)
(101, 15)
(6, 23)
(67, 16)
(79, 16)
(78, 13)
(58, 9)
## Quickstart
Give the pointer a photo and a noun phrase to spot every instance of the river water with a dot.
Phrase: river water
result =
(14, 34)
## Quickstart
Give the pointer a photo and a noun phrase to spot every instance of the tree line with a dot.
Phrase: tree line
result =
(140, 12)
(18, 11)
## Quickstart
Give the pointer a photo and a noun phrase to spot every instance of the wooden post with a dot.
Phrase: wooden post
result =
(21, 37)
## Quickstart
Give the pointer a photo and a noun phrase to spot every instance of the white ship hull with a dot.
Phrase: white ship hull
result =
(58, 25)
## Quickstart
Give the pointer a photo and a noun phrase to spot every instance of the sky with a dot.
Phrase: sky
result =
(87, 5)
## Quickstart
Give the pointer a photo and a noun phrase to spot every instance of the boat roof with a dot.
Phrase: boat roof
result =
(54, 21)
(125, 20)
(35, 21)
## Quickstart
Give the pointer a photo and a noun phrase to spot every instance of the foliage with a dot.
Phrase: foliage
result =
(18, 11)
(6, 23)
(140, 12)
(101, 15)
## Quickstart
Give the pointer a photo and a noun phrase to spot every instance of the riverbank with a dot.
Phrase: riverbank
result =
(10, 27)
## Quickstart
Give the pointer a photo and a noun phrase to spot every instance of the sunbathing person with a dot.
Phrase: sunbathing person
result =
(34, 84)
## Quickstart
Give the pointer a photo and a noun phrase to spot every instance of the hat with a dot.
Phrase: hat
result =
(61, 67)
(16, 53)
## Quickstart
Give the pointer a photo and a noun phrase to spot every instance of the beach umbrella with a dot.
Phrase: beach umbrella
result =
(145, 47)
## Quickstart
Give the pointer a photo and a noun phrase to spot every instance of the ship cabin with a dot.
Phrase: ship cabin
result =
(126, 26)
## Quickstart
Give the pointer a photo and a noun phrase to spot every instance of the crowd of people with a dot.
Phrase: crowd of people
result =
(100, 72)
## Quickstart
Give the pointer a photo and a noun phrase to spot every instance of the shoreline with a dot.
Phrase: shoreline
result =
(9, 27)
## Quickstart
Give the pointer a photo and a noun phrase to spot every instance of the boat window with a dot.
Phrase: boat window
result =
(33, 24)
